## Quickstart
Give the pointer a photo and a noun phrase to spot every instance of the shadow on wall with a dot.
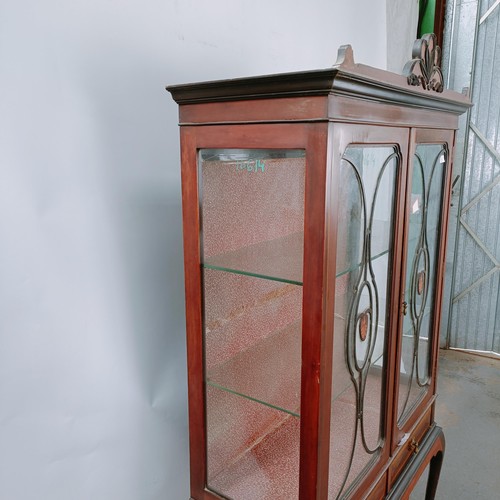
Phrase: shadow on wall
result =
(137, 122)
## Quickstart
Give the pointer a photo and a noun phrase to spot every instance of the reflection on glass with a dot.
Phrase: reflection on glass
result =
(421, 266)
(368, 176)
(252, 219)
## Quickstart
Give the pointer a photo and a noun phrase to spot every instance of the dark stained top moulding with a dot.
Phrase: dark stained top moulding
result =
(344, 78)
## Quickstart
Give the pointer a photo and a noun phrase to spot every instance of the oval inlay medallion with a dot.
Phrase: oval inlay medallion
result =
(363, 324)
(420, 282)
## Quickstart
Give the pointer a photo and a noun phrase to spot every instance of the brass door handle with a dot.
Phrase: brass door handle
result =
(414, 446)
(405, 307)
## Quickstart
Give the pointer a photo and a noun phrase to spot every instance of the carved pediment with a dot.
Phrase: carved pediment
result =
(424, 69)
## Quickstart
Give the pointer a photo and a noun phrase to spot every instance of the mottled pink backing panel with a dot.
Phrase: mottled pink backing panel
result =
(281, 258)
(253, 222)
(268, 371)
(257, 458)
(252, 347)
(241, 311)
(241, 208)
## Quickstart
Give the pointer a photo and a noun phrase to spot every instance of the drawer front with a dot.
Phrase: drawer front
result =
(410, 446)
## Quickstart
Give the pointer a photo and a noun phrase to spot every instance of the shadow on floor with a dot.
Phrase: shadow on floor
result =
(468, 409)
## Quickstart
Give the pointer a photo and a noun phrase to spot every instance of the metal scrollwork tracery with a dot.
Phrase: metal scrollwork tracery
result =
(424, 69)
(364, 324)
(420, 277)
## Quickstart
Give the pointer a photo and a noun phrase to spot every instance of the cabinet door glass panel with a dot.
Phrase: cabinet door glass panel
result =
(426, 199)
(252, 220)
(368, 185)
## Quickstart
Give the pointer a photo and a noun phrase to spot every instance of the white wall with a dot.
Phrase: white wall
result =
(402, 20)
(92, 351)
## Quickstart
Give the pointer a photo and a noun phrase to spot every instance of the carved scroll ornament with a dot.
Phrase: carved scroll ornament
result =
(424, 69)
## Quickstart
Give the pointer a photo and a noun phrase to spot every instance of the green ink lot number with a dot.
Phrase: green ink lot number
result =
(251, 166)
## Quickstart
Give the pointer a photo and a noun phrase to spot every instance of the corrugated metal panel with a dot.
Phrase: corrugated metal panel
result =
(475, 307)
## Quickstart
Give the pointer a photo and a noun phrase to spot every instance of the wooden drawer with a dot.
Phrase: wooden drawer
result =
(410, 446)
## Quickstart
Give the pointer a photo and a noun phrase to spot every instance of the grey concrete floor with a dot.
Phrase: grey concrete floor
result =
(468, 409)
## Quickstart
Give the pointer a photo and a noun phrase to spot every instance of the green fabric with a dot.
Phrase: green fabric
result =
(427, 14)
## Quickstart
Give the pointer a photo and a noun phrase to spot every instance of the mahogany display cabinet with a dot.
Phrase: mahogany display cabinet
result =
(315, 210)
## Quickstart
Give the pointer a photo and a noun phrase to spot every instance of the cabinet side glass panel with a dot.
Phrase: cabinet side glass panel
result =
(252, 220)
(368, 180)
(424, 229)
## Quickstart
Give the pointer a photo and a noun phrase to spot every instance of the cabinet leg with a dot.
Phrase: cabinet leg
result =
(434, 471)
(431, 454)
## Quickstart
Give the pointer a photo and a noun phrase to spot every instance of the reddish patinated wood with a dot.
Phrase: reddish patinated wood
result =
(347, 109)
(313, 108)
(404, 452)
(192, 278)
(439, 20)
(316, 346)
(379, 490)
(430, 454)
(322, 112)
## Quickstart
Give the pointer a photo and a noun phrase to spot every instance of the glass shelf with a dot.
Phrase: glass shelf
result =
(349, 252)
(250, 460)
(261, 464)
(357, 266)
(267, 373)
(283, 261)
(277, 260)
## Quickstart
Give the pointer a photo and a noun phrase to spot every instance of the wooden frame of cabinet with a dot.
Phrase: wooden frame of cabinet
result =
(322, 113)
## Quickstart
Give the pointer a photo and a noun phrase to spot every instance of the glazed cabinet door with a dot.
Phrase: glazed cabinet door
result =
(425, 237)
(248, 242)
(369, 179)
(252, 237)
